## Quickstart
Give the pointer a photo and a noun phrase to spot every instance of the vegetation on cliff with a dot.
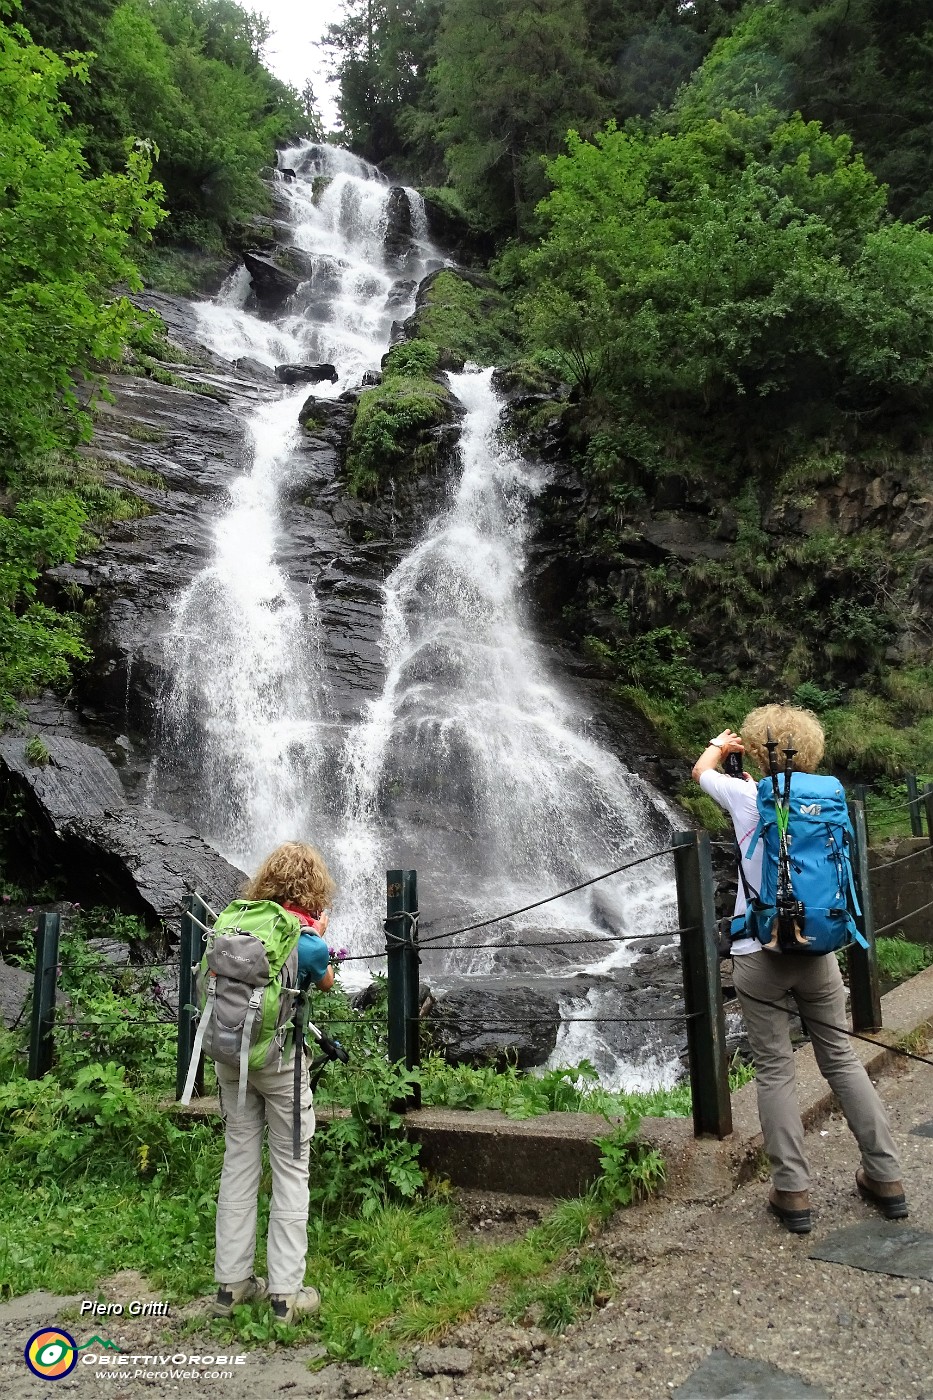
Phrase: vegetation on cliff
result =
(722, 260)
(66, 240)
(399, 424)
(118, 122)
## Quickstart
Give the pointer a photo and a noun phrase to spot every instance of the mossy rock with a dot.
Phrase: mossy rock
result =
(398, 426)
(465, 317)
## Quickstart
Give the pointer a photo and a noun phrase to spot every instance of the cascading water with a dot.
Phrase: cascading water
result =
(243, 708)
(473, 763)
(469, 711)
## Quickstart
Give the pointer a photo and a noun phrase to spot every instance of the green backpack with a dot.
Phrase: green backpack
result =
(248, 995)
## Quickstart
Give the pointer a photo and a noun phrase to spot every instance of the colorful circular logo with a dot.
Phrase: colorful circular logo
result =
(51, 1354)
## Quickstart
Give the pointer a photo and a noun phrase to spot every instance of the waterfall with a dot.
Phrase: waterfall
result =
(468, 709)
(468, 759)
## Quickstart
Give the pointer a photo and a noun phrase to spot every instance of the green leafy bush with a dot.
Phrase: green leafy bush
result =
(741, 265)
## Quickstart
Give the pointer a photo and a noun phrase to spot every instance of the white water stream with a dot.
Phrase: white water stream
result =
(473, 763)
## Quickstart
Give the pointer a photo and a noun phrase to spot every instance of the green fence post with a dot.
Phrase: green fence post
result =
(402, 965)
(189, 954)
(913, 799)
(864, 986)
(928, 804)
(41, 1044)
(706, 1022)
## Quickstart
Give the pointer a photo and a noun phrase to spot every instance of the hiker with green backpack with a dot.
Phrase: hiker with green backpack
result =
(264, 951)
(795, 906)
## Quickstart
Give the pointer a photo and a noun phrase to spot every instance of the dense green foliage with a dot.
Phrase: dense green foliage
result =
(898, 959)
(186, 75)
(66, 241)
(741, 270)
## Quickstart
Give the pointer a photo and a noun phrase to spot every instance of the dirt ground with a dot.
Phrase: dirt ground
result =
(688, 1278)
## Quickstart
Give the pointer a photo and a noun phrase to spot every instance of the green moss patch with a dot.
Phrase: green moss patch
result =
(393, 429)
(466, 321)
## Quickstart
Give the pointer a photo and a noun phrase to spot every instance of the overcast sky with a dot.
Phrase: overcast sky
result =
(291, 52)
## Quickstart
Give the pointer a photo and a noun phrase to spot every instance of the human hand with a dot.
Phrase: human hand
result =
(728, 742)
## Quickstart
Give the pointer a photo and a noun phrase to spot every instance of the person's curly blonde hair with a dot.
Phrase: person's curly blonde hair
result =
(297, 874)
(792, 728)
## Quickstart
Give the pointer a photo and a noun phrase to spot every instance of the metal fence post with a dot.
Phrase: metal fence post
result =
(913, 798)
(41, 1044)
(928, 804)
(860, 792)
(706, 1023)
(864, 986)
(189, 953)
(402, 964)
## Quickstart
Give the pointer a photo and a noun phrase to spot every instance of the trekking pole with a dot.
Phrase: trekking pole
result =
(790, 910)
(331, 1050)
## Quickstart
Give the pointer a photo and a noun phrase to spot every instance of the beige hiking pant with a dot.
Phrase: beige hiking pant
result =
(269, 1099)
(815, 984)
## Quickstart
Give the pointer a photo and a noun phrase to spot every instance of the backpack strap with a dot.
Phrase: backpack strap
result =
(199, 1041)
(255, 1002)
(756, 835)
(301, 1006)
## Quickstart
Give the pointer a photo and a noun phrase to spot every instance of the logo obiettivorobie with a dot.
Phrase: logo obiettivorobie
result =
(51, 1354)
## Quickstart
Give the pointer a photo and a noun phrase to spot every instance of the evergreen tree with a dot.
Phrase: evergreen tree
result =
(381, 50)
(511, 78)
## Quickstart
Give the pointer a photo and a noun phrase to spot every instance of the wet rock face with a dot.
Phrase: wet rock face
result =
(183, 448)
(398, 224)
(512, 1011)
(492, 1025)
(306, 374)
(276, 275)
(76, 821)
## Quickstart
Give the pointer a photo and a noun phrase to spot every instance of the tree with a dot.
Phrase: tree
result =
(860, 67)
(511, 77)
(65, 243)
(381, 50)
(743, 271)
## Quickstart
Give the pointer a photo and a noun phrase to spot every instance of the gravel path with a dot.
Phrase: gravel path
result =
(688, 1278)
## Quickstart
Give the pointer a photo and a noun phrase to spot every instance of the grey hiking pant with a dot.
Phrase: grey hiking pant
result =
(269, 1100)
(816, 985)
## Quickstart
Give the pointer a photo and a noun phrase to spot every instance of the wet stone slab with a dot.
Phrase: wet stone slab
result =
(880, 1247)
(723, 1376)
(923, 1129)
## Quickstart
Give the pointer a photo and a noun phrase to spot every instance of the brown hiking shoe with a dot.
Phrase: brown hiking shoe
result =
(888, 1196)
(792, 1208)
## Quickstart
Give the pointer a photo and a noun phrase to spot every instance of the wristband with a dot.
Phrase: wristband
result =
(715, 744)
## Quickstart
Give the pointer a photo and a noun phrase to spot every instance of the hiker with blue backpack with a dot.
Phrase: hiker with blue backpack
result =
(795, 906)
(262, 955)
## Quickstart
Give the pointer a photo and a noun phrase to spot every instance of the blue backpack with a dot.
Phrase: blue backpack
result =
(815, 912)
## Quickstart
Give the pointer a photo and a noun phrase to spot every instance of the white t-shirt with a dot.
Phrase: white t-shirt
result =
(738, 797)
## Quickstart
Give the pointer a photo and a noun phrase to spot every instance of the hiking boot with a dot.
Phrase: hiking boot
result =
(792, 1208)
(289, 1306)
(888, 1196)
(231, 1295)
